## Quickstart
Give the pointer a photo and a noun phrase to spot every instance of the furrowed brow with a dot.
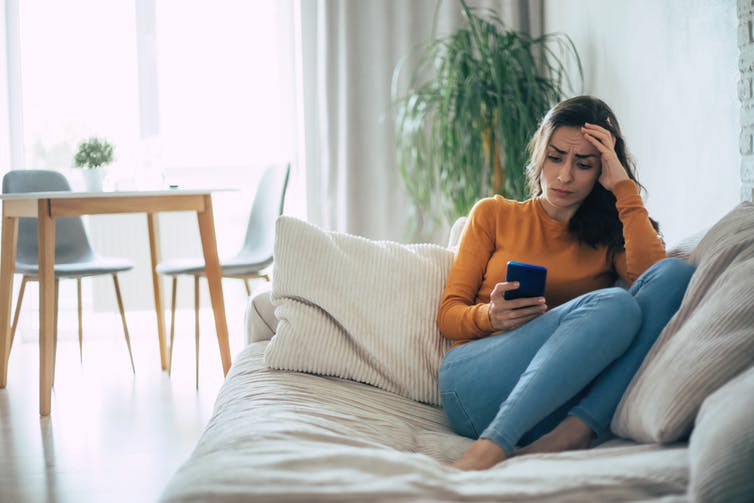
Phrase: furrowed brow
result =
(556, 149)
(563, 152)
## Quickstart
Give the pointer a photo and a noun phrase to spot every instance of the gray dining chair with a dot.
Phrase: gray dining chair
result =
(74, 256)
(251, 260)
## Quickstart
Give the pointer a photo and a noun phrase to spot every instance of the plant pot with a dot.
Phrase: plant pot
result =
(93, 179)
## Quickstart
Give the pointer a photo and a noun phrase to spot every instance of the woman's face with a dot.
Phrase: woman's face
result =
(569, 172)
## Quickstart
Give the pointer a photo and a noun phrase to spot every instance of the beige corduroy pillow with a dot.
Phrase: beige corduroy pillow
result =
(708, 341)
(721, 448)
(358, 309)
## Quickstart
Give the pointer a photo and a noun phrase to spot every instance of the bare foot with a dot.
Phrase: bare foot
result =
(571, 434)
(482, 454)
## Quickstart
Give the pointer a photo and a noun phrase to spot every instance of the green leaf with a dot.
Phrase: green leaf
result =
(93, 153)
(483, 79)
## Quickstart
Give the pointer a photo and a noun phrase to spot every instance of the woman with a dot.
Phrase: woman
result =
(548, 372)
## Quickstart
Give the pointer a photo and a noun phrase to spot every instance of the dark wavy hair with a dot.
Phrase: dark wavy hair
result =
(596, 221)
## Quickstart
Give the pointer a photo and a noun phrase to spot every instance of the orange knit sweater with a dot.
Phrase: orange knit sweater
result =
(499, 230)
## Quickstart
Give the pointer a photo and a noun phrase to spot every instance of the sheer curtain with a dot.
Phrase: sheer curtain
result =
(349, 51)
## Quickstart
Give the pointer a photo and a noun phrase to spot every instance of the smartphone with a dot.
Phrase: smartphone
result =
(531, 279)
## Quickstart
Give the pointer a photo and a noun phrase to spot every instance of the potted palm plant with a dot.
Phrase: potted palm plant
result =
(92, 155)
(475, 98)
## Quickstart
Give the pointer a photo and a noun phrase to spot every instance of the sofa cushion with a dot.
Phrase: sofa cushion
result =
(358, 309)
(686, 246)
(706, 343)
(721, 449)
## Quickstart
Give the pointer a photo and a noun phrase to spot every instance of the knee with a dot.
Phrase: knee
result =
(626, 314)
(672, 270)
(622, 302)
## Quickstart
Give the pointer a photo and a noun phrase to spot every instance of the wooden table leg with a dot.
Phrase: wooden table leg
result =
(46, 240)
(7, 268)
(214, 279)
(154, 256)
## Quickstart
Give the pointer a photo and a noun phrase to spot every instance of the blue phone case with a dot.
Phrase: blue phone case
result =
(531, 279)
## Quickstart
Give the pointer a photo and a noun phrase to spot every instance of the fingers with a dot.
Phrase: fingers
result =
(599, 137)
(598, 131)
(612, 171)
(509, 314)
(508, 319)
(500, 288)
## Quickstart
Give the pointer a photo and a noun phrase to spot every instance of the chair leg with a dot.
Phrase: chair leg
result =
(196, 325)
(123, 319)
(172, 325)
(21, 291)
(246, 284)
(81, 329)
(55, 329)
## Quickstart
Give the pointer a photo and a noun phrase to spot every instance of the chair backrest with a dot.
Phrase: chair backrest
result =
(71, 241)
(268, 205)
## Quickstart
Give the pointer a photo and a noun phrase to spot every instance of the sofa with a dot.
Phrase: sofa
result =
(335, 399)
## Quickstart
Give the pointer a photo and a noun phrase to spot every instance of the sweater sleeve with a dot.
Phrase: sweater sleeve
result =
(643, 245)
(460, 317)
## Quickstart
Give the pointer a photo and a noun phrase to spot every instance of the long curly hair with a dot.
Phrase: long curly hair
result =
(596, 221)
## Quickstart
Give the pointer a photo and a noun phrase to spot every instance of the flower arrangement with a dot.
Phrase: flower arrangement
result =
(93, 153)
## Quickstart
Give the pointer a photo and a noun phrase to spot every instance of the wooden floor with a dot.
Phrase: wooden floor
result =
(112, 435)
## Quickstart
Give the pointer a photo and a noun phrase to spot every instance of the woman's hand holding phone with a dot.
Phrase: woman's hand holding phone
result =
(506, 315)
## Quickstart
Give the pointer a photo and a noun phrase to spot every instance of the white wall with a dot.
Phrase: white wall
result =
(669, 70)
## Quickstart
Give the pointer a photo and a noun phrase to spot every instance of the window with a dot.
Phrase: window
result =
(224, 89)
(78, 70)
(219, 105)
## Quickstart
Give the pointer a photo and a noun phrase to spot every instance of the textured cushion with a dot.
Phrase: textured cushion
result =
(259, 318)
(358, 309)
(708, 341)
(721, 449)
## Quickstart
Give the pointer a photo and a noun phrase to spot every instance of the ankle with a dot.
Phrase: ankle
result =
(575, 428)
(571, 434)
(482, 454)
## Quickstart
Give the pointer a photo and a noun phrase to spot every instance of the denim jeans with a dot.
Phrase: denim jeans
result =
(576, 359)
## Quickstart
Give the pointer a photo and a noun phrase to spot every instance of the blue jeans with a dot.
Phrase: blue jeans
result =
(576, 359)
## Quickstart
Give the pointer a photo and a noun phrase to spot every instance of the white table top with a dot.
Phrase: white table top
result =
(113, 193)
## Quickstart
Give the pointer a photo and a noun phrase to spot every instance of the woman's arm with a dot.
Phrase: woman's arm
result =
(460, 316)
(643, 246)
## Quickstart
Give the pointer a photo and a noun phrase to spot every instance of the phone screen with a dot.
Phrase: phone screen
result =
(531, 279)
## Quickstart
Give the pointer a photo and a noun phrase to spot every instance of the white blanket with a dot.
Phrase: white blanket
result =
(286, 436)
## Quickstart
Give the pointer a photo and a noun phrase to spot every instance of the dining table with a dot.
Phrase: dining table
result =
(46, 207)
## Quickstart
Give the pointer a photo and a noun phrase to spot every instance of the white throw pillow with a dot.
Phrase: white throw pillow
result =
(358, 309)
(708, 341)
(721, 448)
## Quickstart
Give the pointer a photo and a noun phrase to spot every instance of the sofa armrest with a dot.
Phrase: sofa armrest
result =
(259, 319)
(455, 233)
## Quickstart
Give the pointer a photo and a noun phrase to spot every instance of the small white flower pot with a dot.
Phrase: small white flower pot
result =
(93, 178)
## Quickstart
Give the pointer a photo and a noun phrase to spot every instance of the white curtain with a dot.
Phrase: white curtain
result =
(349, 51)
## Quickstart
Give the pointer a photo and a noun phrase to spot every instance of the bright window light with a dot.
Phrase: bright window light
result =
(221, 107)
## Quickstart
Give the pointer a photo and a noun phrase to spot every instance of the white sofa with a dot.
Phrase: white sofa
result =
(307, 430)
